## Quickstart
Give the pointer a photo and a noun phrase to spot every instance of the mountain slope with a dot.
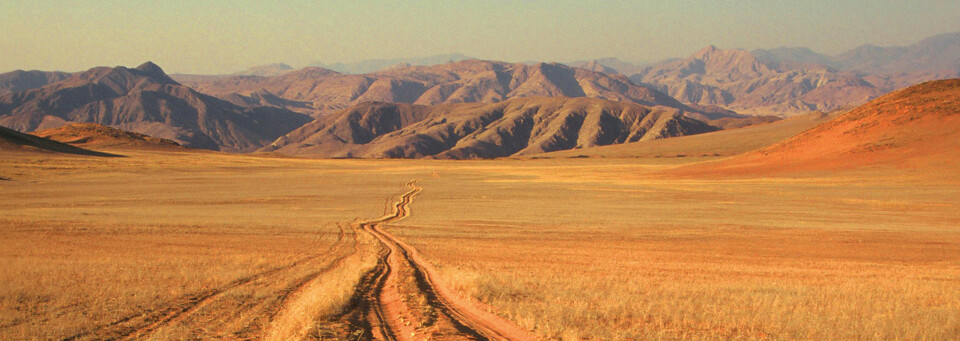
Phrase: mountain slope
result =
(473, 130)
(917, 127)
(147, 101)
(459, 82)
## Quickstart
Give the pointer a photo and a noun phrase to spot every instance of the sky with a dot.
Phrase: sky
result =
(214, 37)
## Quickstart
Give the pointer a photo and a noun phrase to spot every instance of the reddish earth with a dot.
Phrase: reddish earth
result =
(917, 127)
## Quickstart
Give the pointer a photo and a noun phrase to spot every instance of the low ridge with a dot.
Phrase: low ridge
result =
(14, 141)
(89, 135)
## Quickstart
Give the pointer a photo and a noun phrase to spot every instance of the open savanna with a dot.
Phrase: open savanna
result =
(173, 245)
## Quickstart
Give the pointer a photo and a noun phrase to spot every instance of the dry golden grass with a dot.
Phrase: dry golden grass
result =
(570, 248)
(573, 251)
(98, 248)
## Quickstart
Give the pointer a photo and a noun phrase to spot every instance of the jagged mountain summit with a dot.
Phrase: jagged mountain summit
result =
(145, 100)
(513, 127)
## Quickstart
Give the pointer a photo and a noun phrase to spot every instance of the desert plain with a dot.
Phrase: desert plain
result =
(177, 244)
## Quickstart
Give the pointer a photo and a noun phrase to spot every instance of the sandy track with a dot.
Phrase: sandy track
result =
(392, 318)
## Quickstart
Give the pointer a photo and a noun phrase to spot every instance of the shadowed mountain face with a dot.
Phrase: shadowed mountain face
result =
(25, 80)
(461, 82)
(147, 101)
(472, 130)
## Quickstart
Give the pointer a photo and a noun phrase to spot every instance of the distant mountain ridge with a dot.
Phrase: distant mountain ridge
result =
(934, 54)
(374, 65)
(20, 80)
(267, 70)
(738, 80)
(145, 100)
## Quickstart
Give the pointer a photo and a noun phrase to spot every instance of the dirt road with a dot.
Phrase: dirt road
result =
(403, 299)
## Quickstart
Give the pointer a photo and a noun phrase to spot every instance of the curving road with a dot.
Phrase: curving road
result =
(392, 317)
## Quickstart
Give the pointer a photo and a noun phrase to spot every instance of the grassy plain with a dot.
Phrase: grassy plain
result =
(173, 245)
(596, 249)
(570, 248)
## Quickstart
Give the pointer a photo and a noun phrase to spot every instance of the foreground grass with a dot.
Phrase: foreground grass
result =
(592, 251)
(570, 248)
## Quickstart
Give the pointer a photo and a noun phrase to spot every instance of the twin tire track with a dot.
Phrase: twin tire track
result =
(390, 317)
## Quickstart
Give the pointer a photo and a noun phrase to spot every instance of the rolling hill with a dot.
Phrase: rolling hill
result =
(147, 101)
(917, 127)
(516, 126)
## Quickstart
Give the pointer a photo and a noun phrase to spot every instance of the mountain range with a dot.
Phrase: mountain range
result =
(737, 80)
(458, 82)
(517, 126)
(468, 108)
(790, 80)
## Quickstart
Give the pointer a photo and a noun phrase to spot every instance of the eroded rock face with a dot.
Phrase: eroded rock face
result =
(459, 82)
(461, 131)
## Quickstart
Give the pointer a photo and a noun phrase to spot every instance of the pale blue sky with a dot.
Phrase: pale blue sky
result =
(200, 36)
